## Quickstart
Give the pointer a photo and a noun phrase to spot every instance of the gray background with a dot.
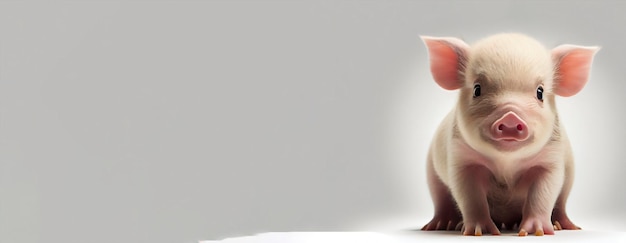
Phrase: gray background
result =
(184, 121)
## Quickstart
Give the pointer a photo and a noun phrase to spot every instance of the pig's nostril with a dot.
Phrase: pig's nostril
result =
(519, 127)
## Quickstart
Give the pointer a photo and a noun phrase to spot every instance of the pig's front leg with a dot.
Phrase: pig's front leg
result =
(543, 185)
(559, 216)
(469, 186)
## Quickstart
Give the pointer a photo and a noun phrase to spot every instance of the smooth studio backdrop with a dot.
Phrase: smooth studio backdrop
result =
(179, 121)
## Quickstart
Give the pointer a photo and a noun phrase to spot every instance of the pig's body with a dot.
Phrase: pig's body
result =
(507, 178)
(500, 157)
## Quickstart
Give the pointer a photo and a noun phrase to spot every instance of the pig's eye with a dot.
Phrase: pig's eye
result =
(540, 93)
(476, 90)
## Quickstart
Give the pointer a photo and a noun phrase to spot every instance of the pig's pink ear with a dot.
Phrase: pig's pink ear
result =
(573, 65)
(447, 60)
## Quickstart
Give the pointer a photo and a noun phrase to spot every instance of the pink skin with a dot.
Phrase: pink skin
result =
(476, 182)
(509, 127)
(521, 178)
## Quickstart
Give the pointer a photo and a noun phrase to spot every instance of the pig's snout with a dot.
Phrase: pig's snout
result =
(509, 127)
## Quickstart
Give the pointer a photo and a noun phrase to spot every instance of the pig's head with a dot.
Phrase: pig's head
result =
(507, 85)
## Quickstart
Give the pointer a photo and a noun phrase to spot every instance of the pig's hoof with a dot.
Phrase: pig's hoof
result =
(446, 221)
(565, 225)
(477, 228)
(561, 220)
(442, 224)
(522, 233)
(536, 226)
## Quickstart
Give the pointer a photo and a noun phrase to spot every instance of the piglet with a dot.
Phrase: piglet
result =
(500, 158)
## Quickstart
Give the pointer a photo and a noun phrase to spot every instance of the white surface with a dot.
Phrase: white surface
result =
(423, 236)
(602, 228)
